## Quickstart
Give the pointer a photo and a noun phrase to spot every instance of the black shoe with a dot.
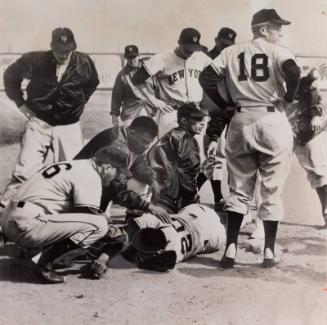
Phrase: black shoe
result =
(227, 262)
(49, 276)
(268, 263)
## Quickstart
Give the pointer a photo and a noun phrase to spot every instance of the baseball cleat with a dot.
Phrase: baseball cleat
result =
(269, 262)
(227, 262)
(49, 276)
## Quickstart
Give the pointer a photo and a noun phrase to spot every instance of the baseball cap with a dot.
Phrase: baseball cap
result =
(227, 35)
(268, 15)
(190, 111)
(131, 51)
(116, 155)
(190, 38)
(63, 40)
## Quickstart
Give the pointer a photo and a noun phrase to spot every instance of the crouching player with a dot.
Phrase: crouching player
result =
(158, 246)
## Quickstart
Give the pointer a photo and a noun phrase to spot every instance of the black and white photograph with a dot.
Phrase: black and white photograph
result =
(163, 162)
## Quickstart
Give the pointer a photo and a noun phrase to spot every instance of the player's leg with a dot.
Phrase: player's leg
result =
(242, 171)
(35, 146)
(67, 141)
(275, 143)
(313, 159)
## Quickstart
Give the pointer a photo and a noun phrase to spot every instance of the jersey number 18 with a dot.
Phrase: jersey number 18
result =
(259, 67)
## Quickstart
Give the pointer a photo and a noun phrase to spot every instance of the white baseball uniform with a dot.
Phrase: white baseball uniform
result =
(42, 210)
(195, 230)
(177, 82)
(259, 137)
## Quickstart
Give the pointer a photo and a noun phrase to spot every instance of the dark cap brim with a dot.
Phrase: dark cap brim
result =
(226, 41)
(281, 21)
(194, 47)
(64, 47)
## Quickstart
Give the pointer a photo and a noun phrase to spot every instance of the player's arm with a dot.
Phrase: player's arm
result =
(208, 81)
(117, 98)
(140, 76)
(13, 78)
(292, 79)
(93, 80)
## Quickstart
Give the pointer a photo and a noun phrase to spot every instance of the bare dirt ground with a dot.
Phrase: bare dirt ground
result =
(195, 292)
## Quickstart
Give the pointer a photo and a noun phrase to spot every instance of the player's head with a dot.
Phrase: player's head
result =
(131, 54)
(190, 118)
(141, 133)
(111, 160)
(62, 44)
(225, 37)
(189, 42)
(268, 24)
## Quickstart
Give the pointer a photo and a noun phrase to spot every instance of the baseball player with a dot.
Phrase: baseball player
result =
(259, 138)
(175, 160)
(177, 77)
(308, 118)
(58, 209)
(127, 100)
(61, 81)
(213, 167)
(158, 246)
(136, 138)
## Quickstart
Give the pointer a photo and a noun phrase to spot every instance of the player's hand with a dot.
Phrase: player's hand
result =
(160, 213)
(163, 107)
(26, 111)
(115, 120)
(212, 149)
(316, 123)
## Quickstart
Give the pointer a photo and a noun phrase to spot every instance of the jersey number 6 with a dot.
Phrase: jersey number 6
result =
(259, 67)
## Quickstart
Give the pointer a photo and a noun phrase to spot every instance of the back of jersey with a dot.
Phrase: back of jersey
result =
(253, 71)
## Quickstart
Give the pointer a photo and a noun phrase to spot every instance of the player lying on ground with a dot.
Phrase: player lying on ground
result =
(58, 209)
(158, 246)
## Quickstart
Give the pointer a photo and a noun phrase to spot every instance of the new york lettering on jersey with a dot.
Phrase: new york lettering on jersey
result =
(178, 78)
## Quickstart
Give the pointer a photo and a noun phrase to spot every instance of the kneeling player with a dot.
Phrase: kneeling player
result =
(157, 246)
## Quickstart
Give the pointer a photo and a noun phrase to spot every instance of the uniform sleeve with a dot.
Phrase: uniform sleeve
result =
(154, 65)
(14, 75)
(117, 95)
(93, 80)
(87, 190)
(125, 197)
(283, 54)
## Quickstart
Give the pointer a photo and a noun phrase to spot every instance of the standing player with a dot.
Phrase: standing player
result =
(177, 75)
(259, 139)
(59, 207)
(213, 167)
(61, 81)
(157, 246)
(127, 100)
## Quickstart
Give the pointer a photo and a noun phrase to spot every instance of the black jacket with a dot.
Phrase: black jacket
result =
(57, 103)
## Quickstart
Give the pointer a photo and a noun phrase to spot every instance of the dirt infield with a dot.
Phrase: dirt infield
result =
(195, 292)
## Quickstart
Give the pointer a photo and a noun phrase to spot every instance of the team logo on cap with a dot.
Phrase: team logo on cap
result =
(195, 39)
(63, 38)
(130, 49)
(230, 35)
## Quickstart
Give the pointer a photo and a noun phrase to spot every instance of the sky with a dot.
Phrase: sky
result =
(154, 25)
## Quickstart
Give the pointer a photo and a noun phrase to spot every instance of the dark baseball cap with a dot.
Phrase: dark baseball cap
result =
(227, 35)
(116, 155)
(131, 51)
(268, 15)
(190, 111)
(190, 38)
(63, 40)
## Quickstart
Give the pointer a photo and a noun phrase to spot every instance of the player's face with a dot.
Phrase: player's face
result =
(185, 51)
(133, 62)
(61, 57)
(273, 33)
(195, 126)
(139, 141)
(108, 174)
